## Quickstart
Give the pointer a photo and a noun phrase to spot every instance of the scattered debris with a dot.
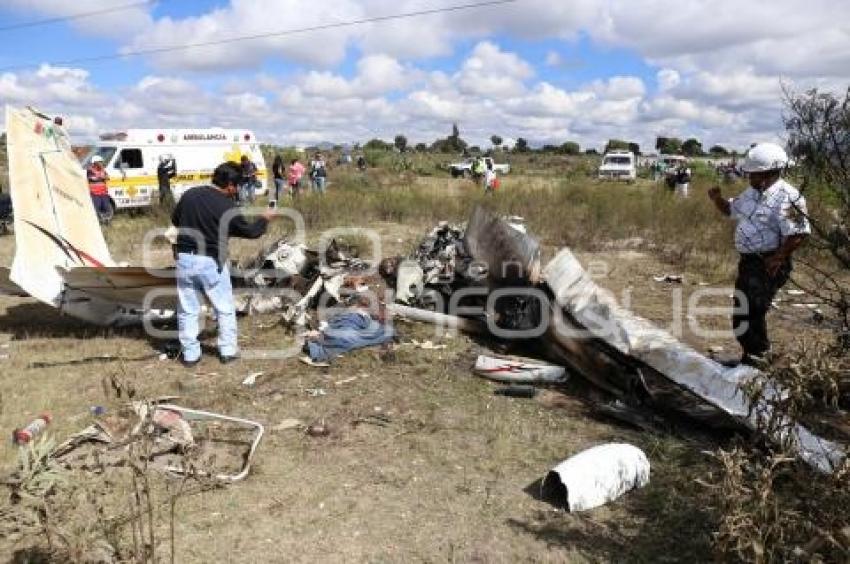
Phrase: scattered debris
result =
(220, 440)
(669, 278)
(517, 391)
(310, 362)
(318, 430)
(629, 415)
(172, 421)
(514, 369)
(410, 282)
(596, 476)
(251, 379)
(288, 424)
(426, 345)
(378, 419)
(35, 427)
(445, 321)
(345, 380)
(315, 392)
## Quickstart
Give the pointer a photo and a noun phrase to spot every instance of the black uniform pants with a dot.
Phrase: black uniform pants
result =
(755, 292)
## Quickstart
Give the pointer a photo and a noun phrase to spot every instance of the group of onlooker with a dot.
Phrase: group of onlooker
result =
(290, 180)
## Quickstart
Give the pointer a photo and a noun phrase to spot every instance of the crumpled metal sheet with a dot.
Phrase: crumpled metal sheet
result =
(410, 282)
(512, 257)
(596, 310)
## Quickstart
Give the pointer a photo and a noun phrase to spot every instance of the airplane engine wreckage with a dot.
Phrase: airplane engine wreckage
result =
(485, 277)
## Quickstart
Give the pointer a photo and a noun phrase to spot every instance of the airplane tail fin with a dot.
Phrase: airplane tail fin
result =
(55, 221)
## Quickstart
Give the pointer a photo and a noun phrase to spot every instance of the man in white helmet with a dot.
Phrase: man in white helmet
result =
(772, 222)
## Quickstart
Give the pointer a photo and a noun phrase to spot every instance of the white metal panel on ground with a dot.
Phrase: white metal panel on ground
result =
(598, 312)
(597, 475)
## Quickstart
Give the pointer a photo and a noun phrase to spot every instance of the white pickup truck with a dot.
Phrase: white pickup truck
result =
(465, 168)
(618, 165)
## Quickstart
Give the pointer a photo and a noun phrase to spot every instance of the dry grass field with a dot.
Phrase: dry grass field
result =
(452, 472)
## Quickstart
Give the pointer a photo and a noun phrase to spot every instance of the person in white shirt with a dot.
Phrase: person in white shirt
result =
(318, 173)
(772, 222)
(683, 180)
(489, 178)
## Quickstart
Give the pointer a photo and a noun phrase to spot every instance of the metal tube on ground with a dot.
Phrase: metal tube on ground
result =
(440, 319)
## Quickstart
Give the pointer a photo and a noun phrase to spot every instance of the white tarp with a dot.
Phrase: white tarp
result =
(597, 310)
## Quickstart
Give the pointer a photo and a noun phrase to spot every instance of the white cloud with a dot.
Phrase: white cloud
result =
(668, 79)
(620, 88)
(719, 66)
(120, 23)
(269, 20)
(554, 59)
(376, 75)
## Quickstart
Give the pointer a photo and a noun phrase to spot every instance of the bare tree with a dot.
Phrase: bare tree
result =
(818, 126)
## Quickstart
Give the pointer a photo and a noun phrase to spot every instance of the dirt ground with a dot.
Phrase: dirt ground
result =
(451, 475)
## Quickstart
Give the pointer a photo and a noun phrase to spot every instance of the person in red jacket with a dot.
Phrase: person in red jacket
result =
(99, 189)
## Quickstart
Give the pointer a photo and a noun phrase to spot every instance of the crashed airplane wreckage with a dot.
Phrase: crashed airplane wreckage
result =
(62, 259)
(581, 326)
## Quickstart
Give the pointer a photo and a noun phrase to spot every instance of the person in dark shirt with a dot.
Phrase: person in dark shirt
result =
(205, 217)
(248, 183)
(279, 173)
(166, 170)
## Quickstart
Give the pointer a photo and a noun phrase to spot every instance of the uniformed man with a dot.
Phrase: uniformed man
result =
(772, 223)
(99, 189)
(165, 171)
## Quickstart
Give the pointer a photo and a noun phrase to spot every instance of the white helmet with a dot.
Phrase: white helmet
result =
(764, 157)
(96, 159)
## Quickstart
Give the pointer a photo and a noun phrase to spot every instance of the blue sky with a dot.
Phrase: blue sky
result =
(588, 71)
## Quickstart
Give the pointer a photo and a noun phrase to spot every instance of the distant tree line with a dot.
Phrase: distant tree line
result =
(454, 143)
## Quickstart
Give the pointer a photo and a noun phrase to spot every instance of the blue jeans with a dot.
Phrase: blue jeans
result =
(198, 275)
(246, 192)
(279, 186)
(319, 184)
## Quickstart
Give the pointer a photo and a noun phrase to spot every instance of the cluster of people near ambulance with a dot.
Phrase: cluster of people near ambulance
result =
(288, 181)
(770, 215)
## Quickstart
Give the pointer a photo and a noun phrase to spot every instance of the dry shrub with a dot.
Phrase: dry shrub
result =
(123, 511)
(770, 506)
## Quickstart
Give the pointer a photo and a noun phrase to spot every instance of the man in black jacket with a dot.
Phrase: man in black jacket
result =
(206, 217)
(166, 170)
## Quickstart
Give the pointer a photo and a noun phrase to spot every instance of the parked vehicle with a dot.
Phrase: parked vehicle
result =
(131, 158)
(618, 165)
(464, 168)
(672, 161)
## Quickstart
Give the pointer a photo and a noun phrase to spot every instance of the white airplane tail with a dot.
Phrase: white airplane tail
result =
(56, 226)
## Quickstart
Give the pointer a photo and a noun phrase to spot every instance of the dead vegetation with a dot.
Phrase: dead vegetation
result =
(770, 508)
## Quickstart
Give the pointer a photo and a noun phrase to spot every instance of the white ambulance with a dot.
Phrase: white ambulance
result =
(131, 158)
